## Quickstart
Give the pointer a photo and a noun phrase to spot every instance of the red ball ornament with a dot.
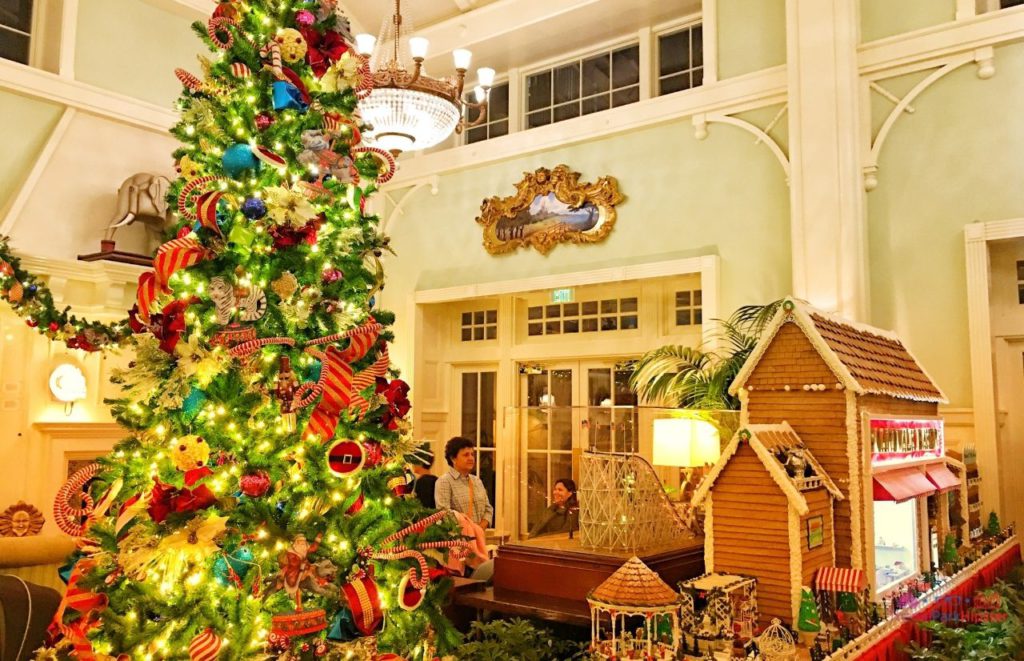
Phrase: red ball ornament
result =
(53, 326)
(332, 275)
(264, 121)
(255, 484)
(32, 323)
(304, 18)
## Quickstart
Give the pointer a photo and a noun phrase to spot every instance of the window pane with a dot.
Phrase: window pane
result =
(698, 316)
(16, 14)
(478, 317)
(561, 387)
(492, 332)
(497, 103)
(611, 305)
(469, 404)
(626, 67)
(698, 296)
(571, 326)
(609, 323)
(486, 470)
(467, 318)
(487, 409)
(533, 120)
(697, 46)
(567, 83)
(674, 53)
(596, 76)
(568, 111)
(552, 328)
(626, 96)
(589, 325)
(553, 311)
(535, 329)
(624, 395)
(536, 389)
(627, 305)
(492, 316)
(13, 46)
(629, 322)
(467, 334)
(682, 317)
(1020, 294)
(476, 134)
(676, 83)
(682, 298)
(1020, 270)
(697, 77)
(478, 333)
(590, 307)
(498, 129)
(596, 104)
(538, 91)
(535, 312)
(599, 385)
(573, 309)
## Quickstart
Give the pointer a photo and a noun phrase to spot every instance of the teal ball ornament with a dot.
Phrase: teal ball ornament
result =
(238, 159)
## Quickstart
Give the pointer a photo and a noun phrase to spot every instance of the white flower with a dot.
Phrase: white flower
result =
(287, 206)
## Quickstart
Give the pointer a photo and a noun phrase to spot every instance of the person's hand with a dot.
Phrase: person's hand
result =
(483, 523)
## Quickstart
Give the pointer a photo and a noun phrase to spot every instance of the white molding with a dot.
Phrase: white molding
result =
(398, 208)
(709, 32)
(26, 81)
(701, 121)
(28, 186)
(894, 56)
(68, 39)
(59, 430)
(706, 264)
(979, 328)
(731, 96)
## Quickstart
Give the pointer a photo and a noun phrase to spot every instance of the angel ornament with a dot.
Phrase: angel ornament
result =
(251, 305)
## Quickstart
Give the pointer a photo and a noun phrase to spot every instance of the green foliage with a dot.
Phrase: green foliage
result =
(949, 554)
(992, 528)
(516, 640)
(692, 378)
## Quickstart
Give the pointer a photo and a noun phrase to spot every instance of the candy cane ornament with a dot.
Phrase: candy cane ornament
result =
(383, 155)
(186, 205)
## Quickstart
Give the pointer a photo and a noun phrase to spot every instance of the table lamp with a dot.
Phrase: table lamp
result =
(685, 443)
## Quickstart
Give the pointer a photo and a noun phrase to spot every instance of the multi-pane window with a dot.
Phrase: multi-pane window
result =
(15, 26)
(496, 122)
(479, 413)
(479, 325)
(689, 304)
(1006, 4)
(1020, 282)
(584, 317)
(591, 84)
(681, 59)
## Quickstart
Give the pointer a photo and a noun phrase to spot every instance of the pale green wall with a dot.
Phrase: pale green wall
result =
(958, 159)
(132, 48)
(685, 198)
(751, 36)
(28, 123)
(885, 18)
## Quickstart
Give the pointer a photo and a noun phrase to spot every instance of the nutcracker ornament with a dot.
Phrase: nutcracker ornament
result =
(285, 386)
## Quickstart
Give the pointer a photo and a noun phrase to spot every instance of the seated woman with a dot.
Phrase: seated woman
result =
(563, 514)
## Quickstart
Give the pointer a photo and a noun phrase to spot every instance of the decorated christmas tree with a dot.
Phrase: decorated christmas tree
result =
(808, 620)
(992, 528)
(257, 507)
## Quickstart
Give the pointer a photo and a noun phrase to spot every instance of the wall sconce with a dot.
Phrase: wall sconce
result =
(67, 383)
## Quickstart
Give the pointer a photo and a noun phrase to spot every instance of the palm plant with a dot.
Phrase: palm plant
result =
(689, 377)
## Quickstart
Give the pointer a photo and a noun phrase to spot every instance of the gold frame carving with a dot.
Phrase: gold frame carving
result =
(507, 221)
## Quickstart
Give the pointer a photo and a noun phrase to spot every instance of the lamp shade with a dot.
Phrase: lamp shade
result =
(685, 442)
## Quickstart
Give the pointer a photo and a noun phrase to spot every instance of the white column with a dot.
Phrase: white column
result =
(826, 190)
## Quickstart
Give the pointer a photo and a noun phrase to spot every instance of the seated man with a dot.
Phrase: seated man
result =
(459, 489)
(563, 513)
(422, 461)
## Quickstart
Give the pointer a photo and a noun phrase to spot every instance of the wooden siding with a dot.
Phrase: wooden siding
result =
(819, 503)
(751, 537)
(790, 360)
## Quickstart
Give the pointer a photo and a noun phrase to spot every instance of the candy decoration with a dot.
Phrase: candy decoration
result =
(269, 157)
(218, 26)
(189, 80)
(363, 599)
(205, 646)
(206, 210)
(65, 515)
(353, 504)
(293, 45)
(239, 158)
(382, 155)
(345, 458)
(185, 203)
(190, 452)
(410, 597)
(272, 51)
(240, 70)
(188, 168)
(364, 379)
(333, 124)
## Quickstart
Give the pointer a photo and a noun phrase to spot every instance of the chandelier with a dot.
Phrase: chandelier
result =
(408, 109)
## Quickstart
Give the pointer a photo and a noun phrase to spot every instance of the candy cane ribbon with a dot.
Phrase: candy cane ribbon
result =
(245, 348)
(206, 210)
(365, 379)
(401, 551)
(175, 255)
(146, 293)
(83, 601)
(336, 380)
(381, 155)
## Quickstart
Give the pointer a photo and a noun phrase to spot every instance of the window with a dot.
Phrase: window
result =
(479, 325)
(478, 417)
(496, 123)
(896, 557)
(688, 308)
(1020, 282)
(1006, 4)
(584, 86)
(681, 60)
(583, 317)
(15, 26)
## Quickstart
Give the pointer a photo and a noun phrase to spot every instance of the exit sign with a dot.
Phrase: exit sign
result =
(564, 295)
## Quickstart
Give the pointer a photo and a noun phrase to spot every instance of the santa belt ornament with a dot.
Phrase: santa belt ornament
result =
(364, 601)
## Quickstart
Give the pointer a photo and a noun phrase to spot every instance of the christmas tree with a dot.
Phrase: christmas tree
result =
(808, 620)
(992, 528)
(257, 507)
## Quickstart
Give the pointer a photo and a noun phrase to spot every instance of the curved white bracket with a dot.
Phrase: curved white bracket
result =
(985, 59)
(399, 208)
(700, 131)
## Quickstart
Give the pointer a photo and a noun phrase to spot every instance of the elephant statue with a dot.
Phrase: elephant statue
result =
(142, 197)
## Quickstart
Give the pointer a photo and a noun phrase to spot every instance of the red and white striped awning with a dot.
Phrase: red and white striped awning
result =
(840, 579)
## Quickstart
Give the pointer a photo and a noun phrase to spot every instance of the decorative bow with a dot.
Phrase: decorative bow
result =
(395, 393)
(322, 49)
(336, 382)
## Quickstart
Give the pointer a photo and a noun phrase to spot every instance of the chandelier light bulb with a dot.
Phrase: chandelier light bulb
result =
(480, 93)
(462, 58)
(418, 47)
(486, 77)
(365, 43)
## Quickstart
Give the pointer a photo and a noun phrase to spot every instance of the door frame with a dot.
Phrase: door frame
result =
(455, 428)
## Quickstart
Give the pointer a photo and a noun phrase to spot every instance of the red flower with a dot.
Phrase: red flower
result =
(255, 484)
(286, 237)
(166, 326)
(322, 49)
(167, 499)
(396, 394)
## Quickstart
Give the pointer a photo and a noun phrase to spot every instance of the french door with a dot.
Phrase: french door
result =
(564, 409)
(477, 421)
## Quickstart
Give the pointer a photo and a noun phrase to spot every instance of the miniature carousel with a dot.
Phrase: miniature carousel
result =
(634, 615)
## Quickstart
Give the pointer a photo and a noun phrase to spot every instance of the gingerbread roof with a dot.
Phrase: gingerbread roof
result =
(634, 584)
(769, 442)
(865, 359)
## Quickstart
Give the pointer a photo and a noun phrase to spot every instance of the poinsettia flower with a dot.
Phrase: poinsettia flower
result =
(322, 49)
(342, 74)
(395, 394)
(195, 360)
(289, 207)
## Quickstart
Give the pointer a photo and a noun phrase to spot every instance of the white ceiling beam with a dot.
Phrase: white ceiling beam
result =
(494, 20)
(38, 84)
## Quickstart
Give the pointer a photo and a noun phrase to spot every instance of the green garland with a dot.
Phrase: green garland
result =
(32, 301)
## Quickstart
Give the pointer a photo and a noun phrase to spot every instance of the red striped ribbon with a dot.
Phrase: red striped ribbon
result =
(245, 348)
(174, 255)
(336, 378)
(206, 210)
(146, 293)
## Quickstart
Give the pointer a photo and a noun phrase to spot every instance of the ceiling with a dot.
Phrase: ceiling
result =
(517, 33)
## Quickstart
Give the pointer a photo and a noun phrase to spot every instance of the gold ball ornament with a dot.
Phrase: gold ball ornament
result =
(188, 168)
(190, 452)
(293, 45)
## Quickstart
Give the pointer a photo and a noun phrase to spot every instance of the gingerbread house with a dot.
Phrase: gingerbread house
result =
(867, 411)
(768, 506)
